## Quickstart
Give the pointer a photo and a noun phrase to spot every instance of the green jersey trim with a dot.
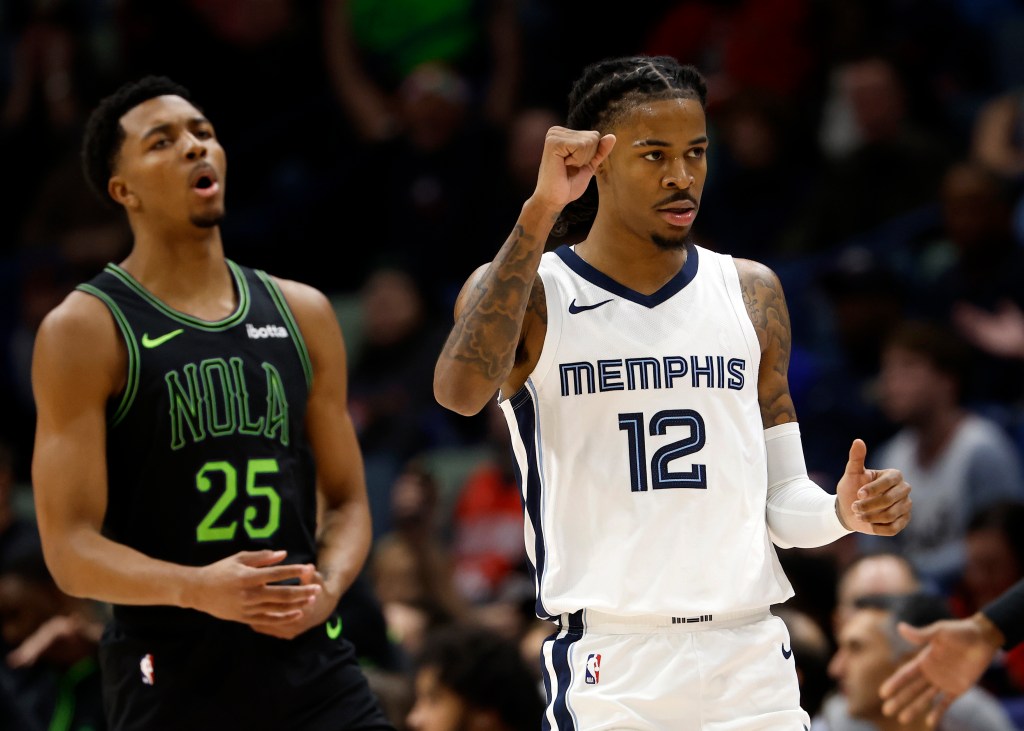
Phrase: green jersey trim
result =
(289, 320)
(241, 286)
(131, 386)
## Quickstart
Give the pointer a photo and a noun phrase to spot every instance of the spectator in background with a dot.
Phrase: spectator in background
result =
(50, 678)
(869, 128)
(958, 461)
(997, 141)
(383, 658)
(1000, 334)
(522, 144)
(65, 221)
(410, 566)
(18, 534)
(870, 649)
(487, 521)
(865, 575)
(755, 153)
(994, 562)
(858, 299)
(52, 64)
(728, 40)
(430, 168)
(884, 573)
(390, 384)
(974, 260)
(997, 138)
(45, 278)
(469, 678)
(372, 47)
(877, 573)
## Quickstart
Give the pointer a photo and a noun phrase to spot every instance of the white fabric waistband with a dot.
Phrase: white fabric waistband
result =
(594, 620)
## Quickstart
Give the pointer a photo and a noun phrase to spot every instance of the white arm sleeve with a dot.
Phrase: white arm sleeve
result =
(800, 514)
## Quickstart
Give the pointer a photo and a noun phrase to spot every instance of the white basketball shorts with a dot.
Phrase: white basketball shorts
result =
(721, 673)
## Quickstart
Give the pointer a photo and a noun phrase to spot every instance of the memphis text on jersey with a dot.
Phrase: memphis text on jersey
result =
(631, 374)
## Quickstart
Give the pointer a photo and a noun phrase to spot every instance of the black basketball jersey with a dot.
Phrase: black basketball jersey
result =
(206, 447)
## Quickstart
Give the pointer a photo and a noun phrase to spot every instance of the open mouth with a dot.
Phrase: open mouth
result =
(204, 182)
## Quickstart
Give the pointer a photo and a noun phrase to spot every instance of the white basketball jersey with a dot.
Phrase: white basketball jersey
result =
(640, 448)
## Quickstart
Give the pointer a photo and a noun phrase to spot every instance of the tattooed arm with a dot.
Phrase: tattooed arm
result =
(500, 317)
(800, 513)
(766, 305)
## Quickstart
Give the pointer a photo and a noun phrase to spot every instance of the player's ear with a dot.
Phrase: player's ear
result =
(118, 189)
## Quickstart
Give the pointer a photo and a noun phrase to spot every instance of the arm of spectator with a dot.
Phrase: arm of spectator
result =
(369, 107)
(1000, 333)
(63, 639)
(993, 135)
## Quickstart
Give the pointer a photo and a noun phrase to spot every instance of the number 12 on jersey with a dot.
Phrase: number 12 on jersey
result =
(661, 478)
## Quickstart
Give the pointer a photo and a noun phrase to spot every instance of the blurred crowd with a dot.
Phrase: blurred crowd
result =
(870, 151)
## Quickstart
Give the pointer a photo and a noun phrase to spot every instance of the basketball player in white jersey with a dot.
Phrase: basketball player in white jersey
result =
(644, 380)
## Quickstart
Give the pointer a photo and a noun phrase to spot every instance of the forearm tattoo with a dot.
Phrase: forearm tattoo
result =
(766, 305)
(487, 332)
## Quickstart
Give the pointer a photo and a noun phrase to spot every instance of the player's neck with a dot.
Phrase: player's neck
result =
(190, 276)
(935, 434)
(640, 265)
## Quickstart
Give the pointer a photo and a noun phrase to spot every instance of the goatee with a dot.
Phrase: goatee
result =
(666, 243)
(209, 220)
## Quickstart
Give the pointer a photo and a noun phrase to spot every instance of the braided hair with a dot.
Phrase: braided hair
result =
(609, 89)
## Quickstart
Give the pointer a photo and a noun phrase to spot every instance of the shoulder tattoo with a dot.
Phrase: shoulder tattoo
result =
(489, 333)
(766, 306)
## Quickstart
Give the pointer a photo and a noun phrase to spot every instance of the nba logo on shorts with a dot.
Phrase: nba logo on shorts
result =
(593, 668)
(146, 666)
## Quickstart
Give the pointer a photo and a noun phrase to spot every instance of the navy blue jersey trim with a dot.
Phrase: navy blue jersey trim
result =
(526, 422)
(602, 280)
(561, 662)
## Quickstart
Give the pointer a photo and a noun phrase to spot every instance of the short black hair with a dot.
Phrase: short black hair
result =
(607, 89)
(104, 133)
(942, 346)
(918, 609)
(1005, 517)
(486, 670)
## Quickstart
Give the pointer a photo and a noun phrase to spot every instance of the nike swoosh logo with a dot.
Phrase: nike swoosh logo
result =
(575, 308)
(148, 342)
(786, 653)
(334, 630)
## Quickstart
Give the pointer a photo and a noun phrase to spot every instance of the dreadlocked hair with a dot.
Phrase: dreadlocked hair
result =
(607, 90)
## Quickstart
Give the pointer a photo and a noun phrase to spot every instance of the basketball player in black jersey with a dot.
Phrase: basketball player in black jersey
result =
(188, 411)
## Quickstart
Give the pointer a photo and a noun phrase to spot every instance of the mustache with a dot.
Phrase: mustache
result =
(679, 195)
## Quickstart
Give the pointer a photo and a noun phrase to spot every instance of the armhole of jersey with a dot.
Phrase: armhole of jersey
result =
(131, 386)
(289, 320)
(553, 329)
(731, 276)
